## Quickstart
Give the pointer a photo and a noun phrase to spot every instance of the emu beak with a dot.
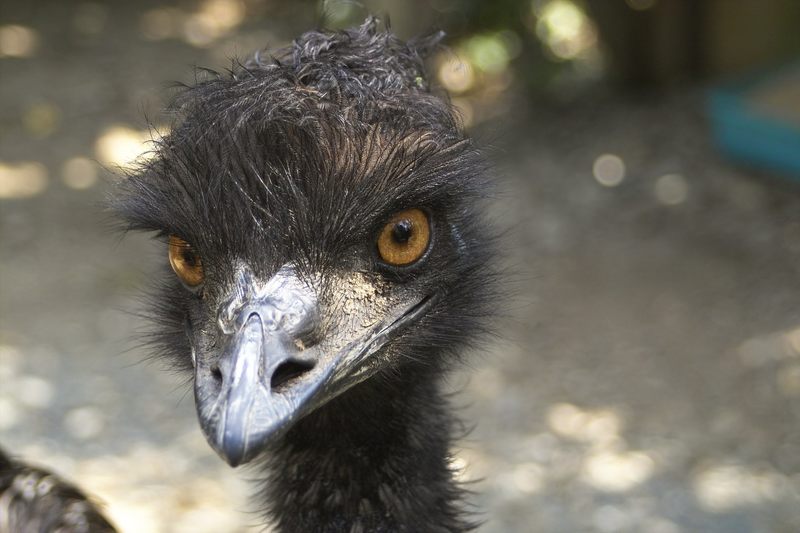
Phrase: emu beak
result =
(264, 374)
(274, 364)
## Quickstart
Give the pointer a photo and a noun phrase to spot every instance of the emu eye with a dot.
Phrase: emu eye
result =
(405, 237)
(185, 261)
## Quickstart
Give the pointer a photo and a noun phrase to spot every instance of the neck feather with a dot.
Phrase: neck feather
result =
(375, 459)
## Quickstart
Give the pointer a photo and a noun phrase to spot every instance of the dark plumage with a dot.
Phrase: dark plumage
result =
(314, 358)
(33, 500)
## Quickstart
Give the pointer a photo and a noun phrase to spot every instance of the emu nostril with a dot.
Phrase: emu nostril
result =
(287, 372)
(216, 373)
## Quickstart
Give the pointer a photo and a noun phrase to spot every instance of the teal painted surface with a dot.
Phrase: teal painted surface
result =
(749, 135)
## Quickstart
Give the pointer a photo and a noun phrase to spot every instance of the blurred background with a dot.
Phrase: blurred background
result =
(647, 378)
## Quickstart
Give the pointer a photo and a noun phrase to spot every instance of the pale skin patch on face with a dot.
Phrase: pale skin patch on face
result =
(361, 299)
(359, 303)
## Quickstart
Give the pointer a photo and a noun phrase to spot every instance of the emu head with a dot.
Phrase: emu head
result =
(319, 213)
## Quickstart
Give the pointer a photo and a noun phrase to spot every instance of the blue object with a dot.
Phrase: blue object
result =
(757, 132)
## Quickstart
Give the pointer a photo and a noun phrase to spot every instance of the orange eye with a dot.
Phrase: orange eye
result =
(185, 261)
(405, 237)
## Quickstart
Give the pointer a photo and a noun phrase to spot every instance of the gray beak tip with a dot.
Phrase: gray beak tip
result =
(234, 452)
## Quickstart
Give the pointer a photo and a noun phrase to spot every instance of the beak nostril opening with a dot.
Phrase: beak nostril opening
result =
(287, 372)
(216, 373)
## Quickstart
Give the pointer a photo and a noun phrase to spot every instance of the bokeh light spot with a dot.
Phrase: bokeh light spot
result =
(122, 146)
(671, 189)
(723, 487)
(490, 53)
(599, 427)
(79, 173)
(227, 13)
(455, 75)
(528, 478)
(200, 30)
(609, 170)
(617, 471)
(34, 392)
(84, 422)
(214, 19)
(22, 180)
(18, 41)
(564, 28)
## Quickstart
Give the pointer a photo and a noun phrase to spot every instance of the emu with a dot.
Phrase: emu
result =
(327, 261)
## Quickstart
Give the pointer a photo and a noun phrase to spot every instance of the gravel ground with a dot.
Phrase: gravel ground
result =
(647, 379)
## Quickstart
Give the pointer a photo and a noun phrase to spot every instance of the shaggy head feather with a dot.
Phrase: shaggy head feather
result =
(302, 158)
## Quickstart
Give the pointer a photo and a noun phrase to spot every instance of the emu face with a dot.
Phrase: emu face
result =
(282, 343)
(319, 218)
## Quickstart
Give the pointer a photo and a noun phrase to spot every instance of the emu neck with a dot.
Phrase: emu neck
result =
(375, 459)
